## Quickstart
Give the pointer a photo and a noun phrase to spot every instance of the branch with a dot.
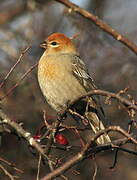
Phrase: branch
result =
(10, 165)
(53, 131)
(7, 173)
(26, 135)
(115, 34)
(88, 150)
(121, 99)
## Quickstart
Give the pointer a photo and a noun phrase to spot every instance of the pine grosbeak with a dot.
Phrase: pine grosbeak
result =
(63, 77)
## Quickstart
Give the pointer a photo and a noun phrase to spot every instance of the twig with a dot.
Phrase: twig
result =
(79, 136)
(107, 130)
(21, 79)
(38, 172)
(54, 130)
(14, 66)
(115, 34)
(6, 172)
(95, 172)
(115, 159)
(127, 150)
(11, 165)
(74, 160)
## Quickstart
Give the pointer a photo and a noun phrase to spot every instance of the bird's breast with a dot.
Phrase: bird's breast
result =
(57, 83)
(47, 70)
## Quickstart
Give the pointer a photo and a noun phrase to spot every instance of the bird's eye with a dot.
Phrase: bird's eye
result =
(54, 43)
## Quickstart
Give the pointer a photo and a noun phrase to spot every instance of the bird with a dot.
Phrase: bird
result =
(63, 77)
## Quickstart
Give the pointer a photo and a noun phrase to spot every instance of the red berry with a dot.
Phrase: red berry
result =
(37, 137)
(61, 139)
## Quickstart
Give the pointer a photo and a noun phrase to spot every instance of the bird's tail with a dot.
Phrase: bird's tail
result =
(96, 125)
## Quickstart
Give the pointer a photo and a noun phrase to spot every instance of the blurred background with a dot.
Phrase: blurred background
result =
(112, 65)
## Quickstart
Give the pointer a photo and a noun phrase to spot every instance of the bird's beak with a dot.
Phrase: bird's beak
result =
(43, 44)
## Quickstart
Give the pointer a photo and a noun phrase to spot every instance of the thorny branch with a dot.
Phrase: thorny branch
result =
(101, 24)
(88, 151)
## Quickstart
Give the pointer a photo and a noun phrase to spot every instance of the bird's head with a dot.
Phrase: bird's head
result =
(58, 43)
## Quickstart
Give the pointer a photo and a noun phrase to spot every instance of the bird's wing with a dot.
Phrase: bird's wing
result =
(81, 73)
(95, 113)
